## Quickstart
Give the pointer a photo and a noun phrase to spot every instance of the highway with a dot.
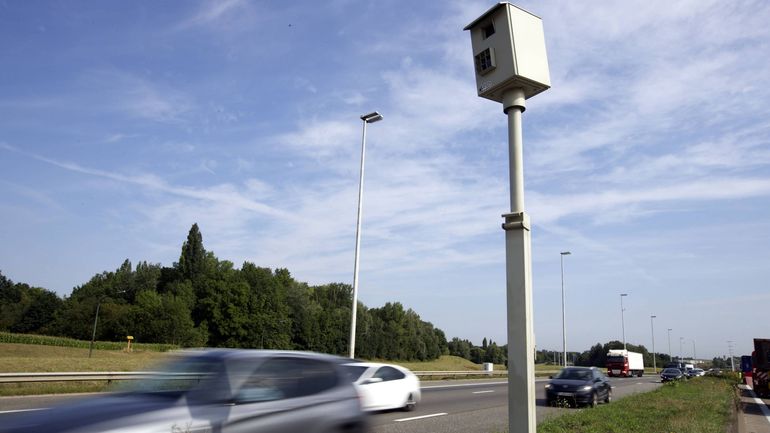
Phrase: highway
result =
(480, 406)
(463, 406)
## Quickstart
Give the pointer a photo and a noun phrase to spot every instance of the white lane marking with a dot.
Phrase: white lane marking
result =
(421, 417)
(761, 404)
(482, 392)
(22, 410)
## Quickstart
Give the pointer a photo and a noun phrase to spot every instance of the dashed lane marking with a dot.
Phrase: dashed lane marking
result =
(420, 417)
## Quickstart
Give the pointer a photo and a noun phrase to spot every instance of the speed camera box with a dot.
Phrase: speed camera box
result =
(509, 52)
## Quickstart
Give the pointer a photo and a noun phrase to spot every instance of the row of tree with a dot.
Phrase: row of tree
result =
(204, 301)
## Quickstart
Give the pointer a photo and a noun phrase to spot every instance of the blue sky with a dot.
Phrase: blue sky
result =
(123, 123)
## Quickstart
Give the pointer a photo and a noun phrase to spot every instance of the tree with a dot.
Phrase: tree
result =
(192, 261)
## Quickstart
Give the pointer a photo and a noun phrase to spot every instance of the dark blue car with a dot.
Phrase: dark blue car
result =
(578, 386)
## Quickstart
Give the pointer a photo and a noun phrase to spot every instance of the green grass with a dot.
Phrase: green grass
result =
(444, 363)
(45, 340)
(701, 405)
(33, 358)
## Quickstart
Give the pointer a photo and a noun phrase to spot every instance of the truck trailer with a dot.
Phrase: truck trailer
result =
(621, 362)
(760, 361)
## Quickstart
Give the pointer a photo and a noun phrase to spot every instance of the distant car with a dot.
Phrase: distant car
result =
(696, 372)
(669, 374)
(384, 386)
(578, 386)
(217, 391)
(714, 372)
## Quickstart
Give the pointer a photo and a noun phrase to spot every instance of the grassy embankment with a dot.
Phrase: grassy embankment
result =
(52, 354)
(701, 405)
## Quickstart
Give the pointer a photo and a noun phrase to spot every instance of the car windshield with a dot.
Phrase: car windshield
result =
(179, 375)
(574, 374)
(671, 371)
(354, 371)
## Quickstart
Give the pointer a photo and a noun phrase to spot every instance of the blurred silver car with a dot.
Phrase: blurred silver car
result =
(222, 391)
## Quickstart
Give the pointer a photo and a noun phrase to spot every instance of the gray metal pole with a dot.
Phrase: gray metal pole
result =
(623, 320)
(93, 335)
(670, 357)
(732, 363)
(358, 246)
(521, 366)
(563, 313)
(652, 330)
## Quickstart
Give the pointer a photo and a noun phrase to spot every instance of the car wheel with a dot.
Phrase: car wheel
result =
(410, 403)
(609, 396)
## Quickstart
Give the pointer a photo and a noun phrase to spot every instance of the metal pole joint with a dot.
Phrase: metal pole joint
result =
(516, 221)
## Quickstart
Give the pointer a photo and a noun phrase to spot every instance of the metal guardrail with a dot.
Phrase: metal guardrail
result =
(90, 376)
(134, 375)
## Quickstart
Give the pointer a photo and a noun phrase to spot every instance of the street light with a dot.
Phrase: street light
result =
(366, 118)
(96, 320)
(622, 319)
(681, 355)
(670, 358)
(652, 330)
(730, 347)
(694, 355)
(563, 316)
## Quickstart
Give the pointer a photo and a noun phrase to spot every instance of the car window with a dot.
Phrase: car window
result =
(283, 378)
(388, 373)
(354, 371)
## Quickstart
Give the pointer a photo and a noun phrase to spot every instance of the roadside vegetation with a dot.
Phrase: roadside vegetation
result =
(202, 301)
(700, 405)
(39, 358)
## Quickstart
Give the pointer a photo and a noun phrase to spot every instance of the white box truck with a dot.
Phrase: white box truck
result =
(621, 362)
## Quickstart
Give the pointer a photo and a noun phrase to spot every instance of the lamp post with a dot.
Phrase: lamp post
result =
(563, 315)
(622, 319)
(681, 355)
(652, 330)
(694, 355)
(96, 320)
(366, 118)
(670, 357)
(730, 347)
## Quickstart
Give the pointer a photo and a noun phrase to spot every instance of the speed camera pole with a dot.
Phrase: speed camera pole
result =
(511, 66)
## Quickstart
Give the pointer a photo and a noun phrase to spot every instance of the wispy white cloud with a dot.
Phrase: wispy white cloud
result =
(212, 11)
(220, 194)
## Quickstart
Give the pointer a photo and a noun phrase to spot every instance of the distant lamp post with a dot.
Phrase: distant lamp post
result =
(694, 355)
(652, 330)
(622, 319)
(96, 320)
(366, 118)
(681, 355)
(563, 314)
(670, 357)
(730, 348)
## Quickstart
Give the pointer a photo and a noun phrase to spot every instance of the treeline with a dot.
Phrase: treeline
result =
(489, 351)
(204, 301)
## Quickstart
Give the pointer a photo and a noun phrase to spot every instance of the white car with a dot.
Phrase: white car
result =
(384, 386)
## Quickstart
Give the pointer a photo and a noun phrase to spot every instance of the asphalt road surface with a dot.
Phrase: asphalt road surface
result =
(465, 406)
(480, 406)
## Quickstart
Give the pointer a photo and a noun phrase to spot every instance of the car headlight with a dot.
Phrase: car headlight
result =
(547, 386)
(586, 388)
